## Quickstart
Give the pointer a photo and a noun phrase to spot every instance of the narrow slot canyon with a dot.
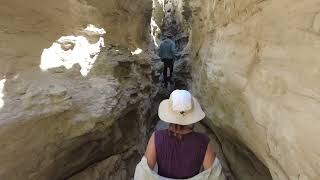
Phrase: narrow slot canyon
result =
(81, 82)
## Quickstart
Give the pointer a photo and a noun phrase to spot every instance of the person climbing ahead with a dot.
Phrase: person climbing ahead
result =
(167, 53)
(179, 151)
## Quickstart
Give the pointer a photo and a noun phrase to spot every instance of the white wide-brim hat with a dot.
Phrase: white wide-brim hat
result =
(181, 108)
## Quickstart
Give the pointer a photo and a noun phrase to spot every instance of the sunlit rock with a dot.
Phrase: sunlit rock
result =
(91, 29)
(1, 92)
(137, 51)
(70, 50)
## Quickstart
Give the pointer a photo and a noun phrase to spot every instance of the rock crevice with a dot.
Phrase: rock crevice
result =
(253, 65)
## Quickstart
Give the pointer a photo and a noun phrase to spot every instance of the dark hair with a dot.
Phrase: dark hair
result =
(175, 128)
(168, 35)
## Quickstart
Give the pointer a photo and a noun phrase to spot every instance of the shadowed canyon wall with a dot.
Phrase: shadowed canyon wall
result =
(56, 121)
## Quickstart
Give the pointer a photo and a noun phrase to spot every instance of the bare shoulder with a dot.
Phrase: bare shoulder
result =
(209, 157)
(151, 140)
(150, 153)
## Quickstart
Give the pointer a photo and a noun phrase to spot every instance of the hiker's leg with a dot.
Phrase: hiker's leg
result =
(165, 71)
(171, 69)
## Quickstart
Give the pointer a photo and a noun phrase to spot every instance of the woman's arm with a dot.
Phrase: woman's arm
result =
(208, 158)
(150, 153)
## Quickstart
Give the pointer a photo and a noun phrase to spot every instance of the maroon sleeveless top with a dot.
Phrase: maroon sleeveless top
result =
(180, 158)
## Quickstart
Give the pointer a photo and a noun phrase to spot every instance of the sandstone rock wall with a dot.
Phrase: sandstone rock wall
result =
(28, 28)
(256, 69)
(57, 122)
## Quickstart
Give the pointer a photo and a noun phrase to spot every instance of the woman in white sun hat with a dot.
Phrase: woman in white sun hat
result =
(179, 151)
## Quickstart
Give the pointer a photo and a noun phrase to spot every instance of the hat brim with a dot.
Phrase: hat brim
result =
(166, 114)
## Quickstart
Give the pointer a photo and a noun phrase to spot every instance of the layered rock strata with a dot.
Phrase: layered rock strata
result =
(74, 87)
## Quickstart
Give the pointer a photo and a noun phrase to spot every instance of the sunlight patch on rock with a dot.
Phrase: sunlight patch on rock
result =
(158, 1)
(154, 31)
(1, 92)
(92, 29)
(70, 50)
(156, 19)
(137, 51)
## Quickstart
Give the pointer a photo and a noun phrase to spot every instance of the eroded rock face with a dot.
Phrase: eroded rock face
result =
(57, 122)
(28, 28)
(118, 167)
(256, 70)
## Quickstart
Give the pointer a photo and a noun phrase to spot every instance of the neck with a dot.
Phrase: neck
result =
(180, 129)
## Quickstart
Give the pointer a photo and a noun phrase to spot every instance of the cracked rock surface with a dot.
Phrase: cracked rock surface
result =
(55, 123)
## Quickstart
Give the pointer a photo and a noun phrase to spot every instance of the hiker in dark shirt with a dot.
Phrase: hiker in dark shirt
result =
(167, 54)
